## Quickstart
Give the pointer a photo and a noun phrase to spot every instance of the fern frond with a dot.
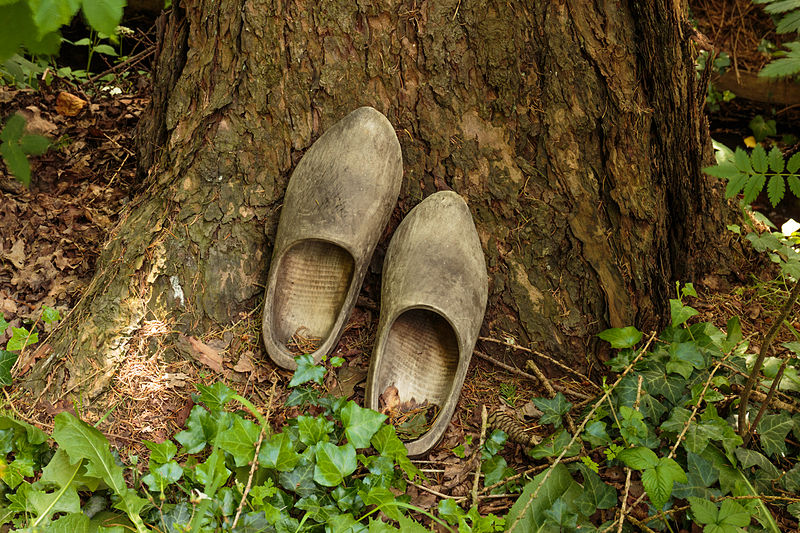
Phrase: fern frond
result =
(779, 6)
(789, 65)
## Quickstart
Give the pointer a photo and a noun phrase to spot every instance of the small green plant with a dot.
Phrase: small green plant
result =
(20, 339)
(16, 146)
(786, 14)
(508, 393)
(720, 64)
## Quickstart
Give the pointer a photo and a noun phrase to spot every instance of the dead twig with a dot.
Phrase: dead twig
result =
(531, 377)
(559, 364)
(254, 463)
(479, 454)
(744, 428)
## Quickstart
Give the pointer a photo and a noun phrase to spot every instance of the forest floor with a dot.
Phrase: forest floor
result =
(51, 235)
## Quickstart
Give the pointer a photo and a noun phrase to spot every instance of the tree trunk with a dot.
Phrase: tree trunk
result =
(573, 131)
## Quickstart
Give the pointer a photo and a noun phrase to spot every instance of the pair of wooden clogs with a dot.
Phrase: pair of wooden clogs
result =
(434, 286)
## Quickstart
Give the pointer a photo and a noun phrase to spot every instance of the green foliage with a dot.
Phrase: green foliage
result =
(20, 339)
(748, 174)
(671, 390)
(33, 25)
(786, 14)
(333, 471)
(763, 128)
(16, 146)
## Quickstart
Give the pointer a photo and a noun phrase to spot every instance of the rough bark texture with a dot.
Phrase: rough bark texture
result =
(572, 129)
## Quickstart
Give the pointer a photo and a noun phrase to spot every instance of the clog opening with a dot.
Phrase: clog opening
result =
(311, 286)
(420, 358)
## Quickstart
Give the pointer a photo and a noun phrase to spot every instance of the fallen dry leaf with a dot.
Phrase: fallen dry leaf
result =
(390, 399)
(245, 363)
(347, 378)
(36, 124)
(17, 254)
(202, 352)
(68, 104)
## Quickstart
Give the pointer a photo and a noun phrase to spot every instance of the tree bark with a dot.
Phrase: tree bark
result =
(573, 130)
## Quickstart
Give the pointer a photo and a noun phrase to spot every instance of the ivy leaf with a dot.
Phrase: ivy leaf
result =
(334, 463)
(201, 429)
(212, 473)
(596, 494)
(314, 429)
(688, 353)
(215, 396)
(558, 482)
(307, 371)
(302, 396)
(759, 159)
(494, 469)
(300, 480)
(278, 453)
(701, 474)
(103, 15)
(658, 481)
(240, 440)
(20, 338)
(750, 458)
(161, 453)
(7, 360)
(621, 337)
(677, 419)
(753, 187)
(595, 434)
(776, 189)
(552, 409)
(554, 445)
(3, 324)
(360, 424)
(762, 128)
(680, 313)
(776, 160)
(163, 476)
(384, 498)
(49, 315)
(639, 458)
(773, 430)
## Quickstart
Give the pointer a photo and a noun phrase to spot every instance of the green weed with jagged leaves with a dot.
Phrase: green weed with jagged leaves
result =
(749, 173)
